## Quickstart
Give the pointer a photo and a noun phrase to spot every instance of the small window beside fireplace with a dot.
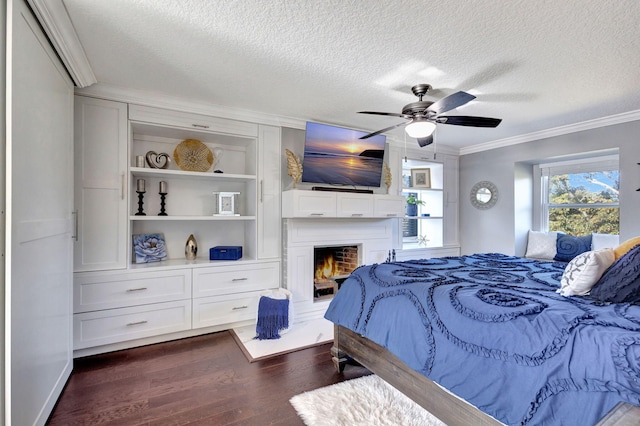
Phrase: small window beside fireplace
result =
(333, 264)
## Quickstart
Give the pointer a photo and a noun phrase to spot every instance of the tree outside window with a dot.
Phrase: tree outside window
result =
(584, 203)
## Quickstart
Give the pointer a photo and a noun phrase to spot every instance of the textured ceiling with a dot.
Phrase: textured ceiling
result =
(535, 64)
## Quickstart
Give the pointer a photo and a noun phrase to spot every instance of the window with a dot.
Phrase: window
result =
(581, 197)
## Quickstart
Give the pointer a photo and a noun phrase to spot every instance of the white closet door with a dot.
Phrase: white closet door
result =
(39, 260)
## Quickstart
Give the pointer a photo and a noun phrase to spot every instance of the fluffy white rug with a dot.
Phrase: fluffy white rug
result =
(366, 400)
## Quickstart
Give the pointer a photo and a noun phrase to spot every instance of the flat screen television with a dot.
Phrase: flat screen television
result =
(337, 156)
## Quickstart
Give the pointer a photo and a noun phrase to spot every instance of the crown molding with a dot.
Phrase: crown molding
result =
(158, 100)
(624, 117)
(55, 21)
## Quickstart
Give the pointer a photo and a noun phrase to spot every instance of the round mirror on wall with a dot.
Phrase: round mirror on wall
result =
(484, 195)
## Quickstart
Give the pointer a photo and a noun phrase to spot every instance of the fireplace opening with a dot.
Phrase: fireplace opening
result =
(333, 264)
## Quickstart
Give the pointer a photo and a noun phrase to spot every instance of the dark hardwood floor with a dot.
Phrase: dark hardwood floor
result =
(204, 380)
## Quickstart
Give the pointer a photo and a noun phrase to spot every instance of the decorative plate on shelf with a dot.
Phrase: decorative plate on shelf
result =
(193, 156)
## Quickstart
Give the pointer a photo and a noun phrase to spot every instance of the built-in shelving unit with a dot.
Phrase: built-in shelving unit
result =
(119, 303)
(190, 201)
(425, 230)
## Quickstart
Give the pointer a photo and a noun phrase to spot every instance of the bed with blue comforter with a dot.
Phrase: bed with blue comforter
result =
(492, 330)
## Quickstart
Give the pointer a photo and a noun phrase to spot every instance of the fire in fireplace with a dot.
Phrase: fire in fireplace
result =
(332, 266)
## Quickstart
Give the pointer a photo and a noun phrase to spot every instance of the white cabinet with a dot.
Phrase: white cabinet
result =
(299, 203)
(93, 292)
(186, 120)
(388, 206)
(213, 311)
(113, 306)
(100, 184)
(354, 205)
(228, 294)
(233, 279)
(117, 325)
(122, 307)
(325, 204)
(269, 190)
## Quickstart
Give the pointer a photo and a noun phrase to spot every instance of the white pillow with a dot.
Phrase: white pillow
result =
(600, 241)
(541, 245)
(584, 271)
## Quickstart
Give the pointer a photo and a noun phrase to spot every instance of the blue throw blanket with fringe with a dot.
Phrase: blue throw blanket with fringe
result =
(492, 329)
(273, 316)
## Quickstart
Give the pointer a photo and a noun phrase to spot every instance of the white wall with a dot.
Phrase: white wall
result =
(522, 202)
(503, 228)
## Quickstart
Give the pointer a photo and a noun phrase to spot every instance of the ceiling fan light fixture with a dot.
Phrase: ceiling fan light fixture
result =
(420, 128)
(424, 115)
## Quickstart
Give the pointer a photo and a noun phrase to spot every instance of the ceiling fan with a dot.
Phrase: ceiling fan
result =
(424, 115)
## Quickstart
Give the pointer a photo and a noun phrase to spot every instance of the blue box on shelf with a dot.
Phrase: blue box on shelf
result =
(225, 253)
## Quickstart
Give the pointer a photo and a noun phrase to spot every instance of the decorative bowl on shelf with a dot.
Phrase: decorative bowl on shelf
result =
(193, 156)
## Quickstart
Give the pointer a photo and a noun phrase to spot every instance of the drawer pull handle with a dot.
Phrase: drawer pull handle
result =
(202, 126)
(261, 191)
(239, 279)
(317, 214)
(136, 323)
(129, 290)
(75, 225)
(356, 214)
(391, 214)
(236, 308)
(122, 190)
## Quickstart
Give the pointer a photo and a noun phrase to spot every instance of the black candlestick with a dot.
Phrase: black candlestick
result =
(140, 203)
(162, 204)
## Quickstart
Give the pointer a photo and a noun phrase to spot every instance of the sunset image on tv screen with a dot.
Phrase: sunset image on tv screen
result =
(337, 156)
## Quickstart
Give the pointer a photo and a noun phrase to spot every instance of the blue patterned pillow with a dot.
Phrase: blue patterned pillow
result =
(568, 246)
(621, 282)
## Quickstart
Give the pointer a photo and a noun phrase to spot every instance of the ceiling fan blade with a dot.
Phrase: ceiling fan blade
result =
(393, 114)
(425, 141)
(450, 102)
(463, 120)
(383, 130)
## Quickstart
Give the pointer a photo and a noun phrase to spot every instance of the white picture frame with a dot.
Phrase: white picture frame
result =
(225, 203)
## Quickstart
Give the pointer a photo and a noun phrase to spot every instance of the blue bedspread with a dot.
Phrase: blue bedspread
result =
(491, 329)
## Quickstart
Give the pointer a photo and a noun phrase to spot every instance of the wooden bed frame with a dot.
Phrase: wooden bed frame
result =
(348, 345)
(442, 404)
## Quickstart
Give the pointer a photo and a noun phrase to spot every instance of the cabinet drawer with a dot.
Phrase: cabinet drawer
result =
(192, 121)
(354, 205)
(217, 310)
(92, 292)
(388, 206)
(298, 203)
(117, 325)
(231, 279)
